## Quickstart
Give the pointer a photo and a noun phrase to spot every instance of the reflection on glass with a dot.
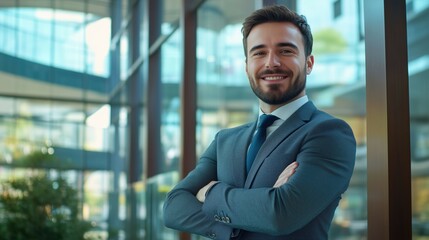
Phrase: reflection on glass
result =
(418, 70)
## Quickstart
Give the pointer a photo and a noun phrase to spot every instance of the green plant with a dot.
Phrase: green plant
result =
(329, 41)
(38, 207)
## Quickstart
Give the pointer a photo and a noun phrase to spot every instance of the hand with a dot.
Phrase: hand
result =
(201, 195)
(286, 174)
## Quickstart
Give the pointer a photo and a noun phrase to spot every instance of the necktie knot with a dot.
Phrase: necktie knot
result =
(266, 120)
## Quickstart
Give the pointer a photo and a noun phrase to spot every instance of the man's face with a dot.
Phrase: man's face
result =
(276, 64)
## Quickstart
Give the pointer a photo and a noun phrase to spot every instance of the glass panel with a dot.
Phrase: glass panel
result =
(125, 56)
(96, 204)
(8, 32)
(224, 98)
(80, 40)
(55, 119)
(97, 128)
(54, 53)
(46, 138)
(418, 69)
(171, 77)
(336, 85)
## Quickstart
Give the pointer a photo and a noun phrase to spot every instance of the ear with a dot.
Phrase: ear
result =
(310, 64)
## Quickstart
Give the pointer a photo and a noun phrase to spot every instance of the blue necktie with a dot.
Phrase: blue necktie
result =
(259, 138)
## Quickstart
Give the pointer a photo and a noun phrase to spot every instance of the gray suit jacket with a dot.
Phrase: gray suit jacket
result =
(249, 207)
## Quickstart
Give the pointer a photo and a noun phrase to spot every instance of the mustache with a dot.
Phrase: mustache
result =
(276, 71)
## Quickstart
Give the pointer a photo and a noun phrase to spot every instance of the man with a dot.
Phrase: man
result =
(296, 179)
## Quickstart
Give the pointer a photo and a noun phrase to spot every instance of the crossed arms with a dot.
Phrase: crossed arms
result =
(282, 179)
(320, 174)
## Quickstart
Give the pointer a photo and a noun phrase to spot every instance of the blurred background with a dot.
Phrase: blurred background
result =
(92, 133)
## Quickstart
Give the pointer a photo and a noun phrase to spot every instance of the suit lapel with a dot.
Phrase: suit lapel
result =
(240, 150)
(299, 118)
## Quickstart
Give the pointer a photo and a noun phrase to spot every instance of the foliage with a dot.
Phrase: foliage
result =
(329, 41)
(38, 159)
(38, 207)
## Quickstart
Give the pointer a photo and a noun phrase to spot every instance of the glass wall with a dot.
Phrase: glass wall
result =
(55, 119)
(418, 69)
(171, 76)
(224, 98)
(62, 38)
(336, 84)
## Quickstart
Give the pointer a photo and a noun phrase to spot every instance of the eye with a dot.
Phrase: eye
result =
(287, 51)
(259, 53)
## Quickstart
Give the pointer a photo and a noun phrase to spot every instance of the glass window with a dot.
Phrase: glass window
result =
(80, 40)
(418, 70)
(56, 117)
(171, 75)
(224, 98)
(125, 56)
(54, 53)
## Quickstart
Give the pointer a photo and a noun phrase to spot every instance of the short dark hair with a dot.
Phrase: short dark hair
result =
(278, 13)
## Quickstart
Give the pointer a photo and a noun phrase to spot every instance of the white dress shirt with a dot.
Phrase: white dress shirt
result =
(284, 112)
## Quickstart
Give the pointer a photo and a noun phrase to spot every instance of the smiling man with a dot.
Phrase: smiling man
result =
(282, 176)
(277, 64)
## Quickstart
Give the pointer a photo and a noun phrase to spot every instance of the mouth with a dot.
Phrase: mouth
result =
(274, 78)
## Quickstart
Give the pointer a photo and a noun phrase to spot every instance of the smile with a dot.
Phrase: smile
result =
(274, 78)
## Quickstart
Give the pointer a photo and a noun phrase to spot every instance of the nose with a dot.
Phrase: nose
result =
(272, 61)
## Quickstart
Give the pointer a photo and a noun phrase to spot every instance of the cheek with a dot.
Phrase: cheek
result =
(297, 67)
(252, 69)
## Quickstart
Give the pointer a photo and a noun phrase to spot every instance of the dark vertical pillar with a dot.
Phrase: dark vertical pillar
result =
(113, 219)
(153, 92)
(135, 91)
(151, 70)
(188, 90)
(135, 97)
(116, 19)
(389, 166)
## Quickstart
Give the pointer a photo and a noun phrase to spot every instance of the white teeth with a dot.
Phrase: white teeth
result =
(273, 78)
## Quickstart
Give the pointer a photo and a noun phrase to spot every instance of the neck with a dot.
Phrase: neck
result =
(269, 108)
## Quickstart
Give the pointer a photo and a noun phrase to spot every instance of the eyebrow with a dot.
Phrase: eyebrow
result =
(282, 44)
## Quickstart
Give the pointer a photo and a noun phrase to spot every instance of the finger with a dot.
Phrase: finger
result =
(286, 174)
(290, 169)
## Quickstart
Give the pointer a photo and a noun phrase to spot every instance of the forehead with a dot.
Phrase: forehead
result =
(273, 33)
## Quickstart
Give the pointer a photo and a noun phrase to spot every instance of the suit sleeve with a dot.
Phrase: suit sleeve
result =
(182, 210)
(326, 161)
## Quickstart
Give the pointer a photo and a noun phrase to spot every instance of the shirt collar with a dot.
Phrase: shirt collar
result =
(284, 112)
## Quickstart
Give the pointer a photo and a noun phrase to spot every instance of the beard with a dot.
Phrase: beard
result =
(275, 96)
